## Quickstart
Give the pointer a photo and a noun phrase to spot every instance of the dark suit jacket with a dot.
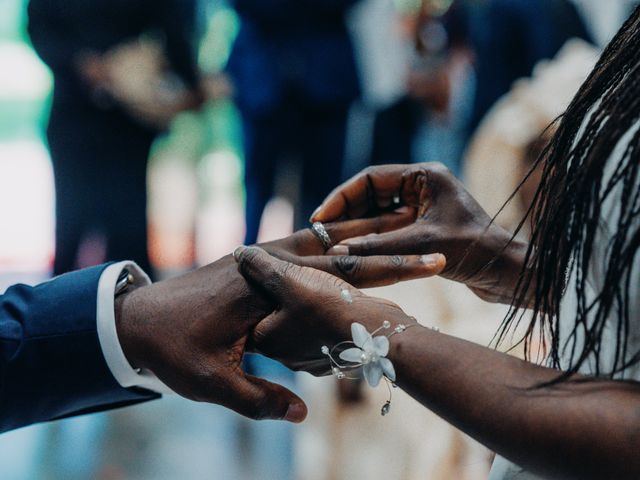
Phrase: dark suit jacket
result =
(61, 30)
(51, 362)
(293, 44)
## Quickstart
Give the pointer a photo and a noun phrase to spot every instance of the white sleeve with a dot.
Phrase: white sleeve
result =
(123, 372)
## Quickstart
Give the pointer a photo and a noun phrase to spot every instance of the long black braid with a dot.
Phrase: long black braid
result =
(566, 214)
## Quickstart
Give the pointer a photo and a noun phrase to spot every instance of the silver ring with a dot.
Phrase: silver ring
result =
(318, 229)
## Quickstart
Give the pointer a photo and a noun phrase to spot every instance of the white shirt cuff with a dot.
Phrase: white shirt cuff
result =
(120, 367)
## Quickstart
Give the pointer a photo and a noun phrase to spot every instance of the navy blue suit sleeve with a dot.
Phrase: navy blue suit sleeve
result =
(51, 362)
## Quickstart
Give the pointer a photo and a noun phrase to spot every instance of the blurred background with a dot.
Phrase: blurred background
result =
(169, 132)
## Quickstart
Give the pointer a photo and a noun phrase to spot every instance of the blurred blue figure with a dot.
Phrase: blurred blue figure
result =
(506, 38)
(295, 79)
(509, 37)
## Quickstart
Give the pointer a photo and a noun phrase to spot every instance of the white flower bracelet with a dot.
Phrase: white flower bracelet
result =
(369, 353)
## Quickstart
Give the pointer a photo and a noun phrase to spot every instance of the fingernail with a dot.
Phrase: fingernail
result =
(315, 212)
(238, 251)
(430, 260)
(296, 413)
(404, 209)
(338, 250)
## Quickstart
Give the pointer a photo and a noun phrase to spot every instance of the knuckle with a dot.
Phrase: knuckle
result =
(260, 408)
(378, 224)
(369, 243)
(348, 266)
(285, 269)
(436, 167)
(248, 257)
(369, 170)
(398, 261)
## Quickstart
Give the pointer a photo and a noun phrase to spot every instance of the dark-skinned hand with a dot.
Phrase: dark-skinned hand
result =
(447, 219)
(192, 331)
(305, 249)
(309, 311)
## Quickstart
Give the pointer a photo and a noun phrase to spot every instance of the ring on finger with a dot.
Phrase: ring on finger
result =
(319, 231)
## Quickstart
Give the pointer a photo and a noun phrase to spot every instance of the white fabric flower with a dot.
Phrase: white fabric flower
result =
(370, 352)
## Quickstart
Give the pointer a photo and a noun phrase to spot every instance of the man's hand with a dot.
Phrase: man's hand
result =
(192, 331)
(446, 219)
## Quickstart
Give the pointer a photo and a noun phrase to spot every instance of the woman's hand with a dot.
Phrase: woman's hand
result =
(305, 249)
(446, 219)
(310, 310)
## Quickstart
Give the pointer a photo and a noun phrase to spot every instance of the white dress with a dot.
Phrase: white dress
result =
(502, 469)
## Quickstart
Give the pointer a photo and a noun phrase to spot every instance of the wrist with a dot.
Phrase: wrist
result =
(398, 341)
(128, 326)
(515, 254)
(501, 278)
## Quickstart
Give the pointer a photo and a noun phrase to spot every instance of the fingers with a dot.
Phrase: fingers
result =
(373, 187)
(264, 270)
(260, 399)
(376, 271)
(388, 222)
(396, 242)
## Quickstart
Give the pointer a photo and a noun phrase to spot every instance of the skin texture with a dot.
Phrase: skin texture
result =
(192, 331)
(447, 219)
(303, 248)
(582, 429)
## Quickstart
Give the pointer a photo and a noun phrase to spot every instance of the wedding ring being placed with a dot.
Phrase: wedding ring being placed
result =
(318, 229)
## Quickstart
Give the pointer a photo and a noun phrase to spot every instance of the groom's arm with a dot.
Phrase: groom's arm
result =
(52, 338)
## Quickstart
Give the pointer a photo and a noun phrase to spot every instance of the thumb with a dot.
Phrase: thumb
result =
(264, 270)
(260, 399)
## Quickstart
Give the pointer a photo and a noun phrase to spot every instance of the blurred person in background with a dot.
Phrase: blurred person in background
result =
(508, 140)
(293, 70)
(466, 55)
(436, 90)
(509, 37)
(114, 92)
(295, 78)
(442, 82)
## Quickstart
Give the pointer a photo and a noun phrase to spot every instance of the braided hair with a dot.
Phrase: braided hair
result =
(566, 214)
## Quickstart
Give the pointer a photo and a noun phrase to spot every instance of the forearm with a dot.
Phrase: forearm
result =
(573, 430)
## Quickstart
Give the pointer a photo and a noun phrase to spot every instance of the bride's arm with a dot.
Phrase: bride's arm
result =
(576, 429)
